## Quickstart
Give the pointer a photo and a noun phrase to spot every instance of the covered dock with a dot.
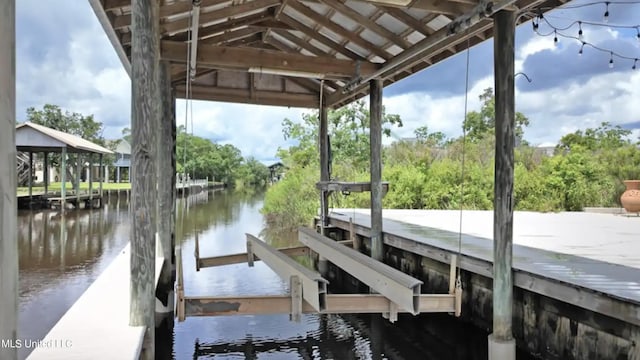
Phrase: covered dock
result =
(32, 138)
(312, 54)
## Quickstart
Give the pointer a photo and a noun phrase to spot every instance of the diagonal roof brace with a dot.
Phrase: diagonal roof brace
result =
(193, 46)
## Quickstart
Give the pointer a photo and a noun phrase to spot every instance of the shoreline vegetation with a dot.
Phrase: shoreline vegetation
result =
(585, 169)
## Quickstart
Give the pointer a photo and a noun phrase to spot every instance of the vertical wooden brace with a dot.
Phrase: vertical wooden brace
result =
(375, 135)
(145, 51)
(501, 343)
(8, 179)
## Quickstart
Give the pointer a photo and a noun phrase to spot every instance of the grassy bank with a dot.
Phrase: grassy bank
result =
(57, 186)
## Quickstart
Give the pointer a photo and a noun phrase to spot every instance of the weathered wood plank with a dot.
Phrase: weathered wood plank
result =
(245, 96)
(8, 206)
(244, 58)
(144, 121)
(165, 185)
(375, 141)
(504, 35)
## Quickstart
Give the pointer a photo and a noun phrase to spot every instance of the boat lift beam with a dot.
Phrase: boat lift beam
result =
(403, 290)
(314, 286)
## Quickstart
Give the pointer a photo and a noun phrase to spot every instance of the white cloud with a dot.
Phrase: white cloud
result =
(77, 69)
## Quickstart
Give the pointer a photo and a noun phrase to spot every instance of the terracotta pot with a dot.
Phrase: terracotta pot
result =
(630, 199)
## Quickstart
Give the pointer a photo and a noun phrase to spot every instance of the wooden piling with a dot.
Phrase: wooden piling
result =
(30, 178)
(375, 138)
(46, 173)
(174, 190)
(144, 121)
(77, 184)
(165, 184)
(102, 175)
(63, 178)
(8, 178)
(501, 343)
(323, 142)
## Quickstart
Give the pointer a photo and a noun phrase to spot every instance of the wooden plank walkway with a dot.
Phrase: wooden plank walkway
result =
(97, 325)
(555, 254)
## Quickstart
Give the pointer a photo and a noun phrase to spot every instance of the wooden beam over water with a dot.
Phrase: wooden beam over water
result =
(8, 206)
(144, 122)
(281, 304)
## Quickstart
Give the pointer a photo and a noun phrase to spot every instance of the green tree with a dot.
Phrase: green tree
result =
(77, 124)
(480, 125)
(348, 131)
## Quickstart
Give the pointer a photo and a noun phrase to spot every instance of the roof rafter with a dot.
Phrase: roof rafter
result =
(367, 22)
(246, 96)
(338, 29)
(182, 25)
(319, 38)
(245, 58)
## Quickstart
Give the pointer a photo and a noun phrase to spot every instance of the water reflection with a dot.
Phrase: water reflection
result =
(60, 255)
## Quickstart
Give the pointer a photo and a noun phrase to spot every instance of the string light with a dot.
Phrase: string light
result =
(558, 32)
(580, 31)
(605, 18)
(611, 61)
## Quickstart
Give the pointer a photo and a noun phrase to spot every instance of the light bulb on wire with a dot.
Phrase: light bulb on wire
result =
(605, 18)
(580, 37)
(555, 37)
(581, 48)
(635, 61)
(611, 61)
(638, 35)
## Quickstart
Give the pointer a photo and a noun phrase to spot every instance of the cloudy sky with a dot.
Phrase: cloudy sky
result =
(64, 58)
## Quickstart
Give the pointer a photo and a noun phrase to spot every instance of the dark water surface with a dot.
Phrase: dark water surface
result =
(57, 263)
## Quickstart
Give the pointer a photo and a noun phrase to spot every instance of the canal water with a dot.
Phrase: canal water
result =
(61, 256)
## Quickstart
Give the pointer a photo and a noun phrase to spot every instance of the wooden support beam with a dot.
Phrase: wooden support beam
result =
(320, 38)
(231, 35)
(165, 185)
(281, 304)
(436, 7)
(209, 17)
(338, 29)
(502, 345)
(244, 58)
(417, 25)
(246, 41)
(349, 186)
(367, 22)
(144, 122)
(115, 4)
(8, 178)
(182, 7)
(375, 140)
(244, 96)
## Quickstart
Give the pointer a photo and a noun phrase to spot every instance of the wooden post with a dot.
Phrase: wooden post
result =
(30, 178)
(77, 184)
(144, 122)
(323, 140)
(8, 178)
(90, 179)
(63, 178)
(165, 184)
(174, 189)
(102, 175)
(501, 343)
(375, 138)
(46, 173)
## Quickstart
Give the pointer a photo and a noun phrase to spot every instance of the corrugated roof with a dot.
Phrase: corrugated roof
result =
(69, 140)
